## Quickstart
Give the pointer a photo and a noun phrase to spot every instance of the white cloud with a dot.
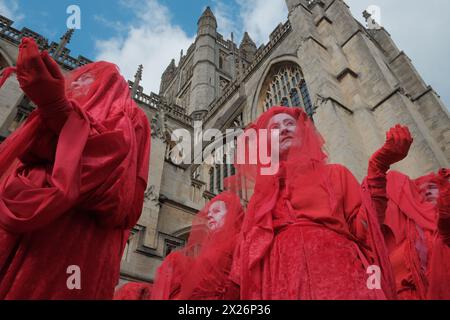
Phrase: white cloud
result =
(152, 40)
(10, 9)
(260, 17)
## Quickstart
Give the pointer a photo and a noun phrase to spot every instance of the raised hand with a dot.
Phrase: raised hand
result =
(396, 148)
(444, 212)
(39, 75)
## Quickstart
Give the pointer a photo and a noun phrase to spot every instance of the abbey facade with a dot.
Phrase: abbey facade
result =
(353, 81)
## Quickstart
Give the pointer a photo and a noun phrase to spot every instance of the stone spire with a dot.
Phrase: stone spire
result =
(372, 24)
(207, 24)
(65, 40)
(137, 80)
(248, 47)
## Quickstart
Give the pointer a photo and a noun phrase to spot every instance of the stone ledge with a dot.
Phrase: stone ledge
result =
(347, 71)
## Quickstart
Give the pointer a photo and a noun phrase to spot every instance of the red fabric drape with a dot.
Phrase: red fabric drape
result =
(420, 258)
(6, 73)
(73, 195)
(200, 271)
(310, 231)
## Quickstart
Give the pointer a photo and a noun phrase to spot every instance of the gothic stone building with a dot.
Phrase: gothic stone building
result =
(353, 81)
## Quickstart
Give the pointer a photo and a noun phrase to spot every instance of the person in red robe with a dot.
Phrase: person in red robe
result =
(201, 270)
(73, 181)
(311, 231)
(417, 233)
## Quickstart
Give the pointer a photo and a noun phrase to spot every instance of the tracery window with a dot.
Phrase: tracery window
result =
(288, 88)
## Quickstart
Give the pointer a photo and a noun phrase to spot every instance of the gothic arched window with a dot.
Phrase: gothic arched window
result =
(287, 88)
(295, 98)
(306, 99)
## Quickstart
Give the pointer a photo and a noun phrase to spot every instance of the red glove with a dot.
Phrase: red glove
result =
(41, 80)
(444, 212)
(396, 148)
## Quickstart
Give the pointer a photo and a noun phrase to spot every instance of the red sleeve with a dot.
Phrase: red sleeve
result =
(93, 171)
(34, 196)
(115, 173)
(364, 224)
(354, 212)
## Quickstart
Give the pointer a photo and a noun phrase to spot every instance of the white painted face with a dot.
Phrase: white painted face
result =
(81, 86)
(430, 191)
(287, 125)
(216, 215)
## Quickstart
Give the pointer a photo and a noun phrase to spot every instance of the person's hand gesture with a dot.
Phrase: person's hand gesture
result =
(396, 148)
(39, 75)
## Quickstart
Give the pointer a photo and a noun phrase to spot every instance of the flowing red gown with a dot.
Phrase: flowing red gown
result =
(201, 270)
(73, 195)
(134, 291)
(421, 260)
(310, 231)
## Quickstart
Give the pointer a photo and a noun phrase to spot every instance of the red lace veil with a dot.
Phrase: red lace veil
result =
(306, 153)
(203, 265)
(435, 284)
(104, 101)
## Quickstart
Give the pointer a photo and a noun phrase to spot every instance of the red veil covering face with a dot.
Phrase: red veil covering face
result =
(417, 235)
(68, 197)
(200, 271)
(310, 230)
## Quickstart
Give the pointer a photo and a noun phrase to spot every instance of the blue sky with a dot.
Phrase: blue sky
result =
(152, 32)
(49, 18)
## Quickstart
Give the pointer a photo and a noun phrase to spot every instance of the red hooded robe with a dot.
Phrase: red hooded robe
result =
(69, 197)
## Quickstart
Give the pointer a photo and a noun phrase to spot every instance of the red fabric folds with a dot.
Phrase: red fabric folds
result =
(134, 291)
(73, 194)
(201, 270)
(418, 253)
(310, 231)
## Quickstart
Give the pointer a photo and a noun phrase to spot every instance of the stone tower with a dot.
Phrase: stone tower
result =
(203, 86)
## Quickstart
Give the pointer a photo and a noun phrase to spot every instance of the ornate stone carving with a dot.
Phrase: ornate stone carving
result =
(158, 125)
(151, 196)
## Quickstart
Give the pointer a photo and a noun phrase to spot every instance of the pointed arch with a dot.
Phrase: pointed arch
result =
(282, 83)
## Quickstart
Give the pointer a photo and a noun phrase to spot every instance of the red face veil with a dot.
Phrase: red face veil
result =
(254, 145)
(203, 265)
(306, 151)
(98, 89)
(306, 155)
